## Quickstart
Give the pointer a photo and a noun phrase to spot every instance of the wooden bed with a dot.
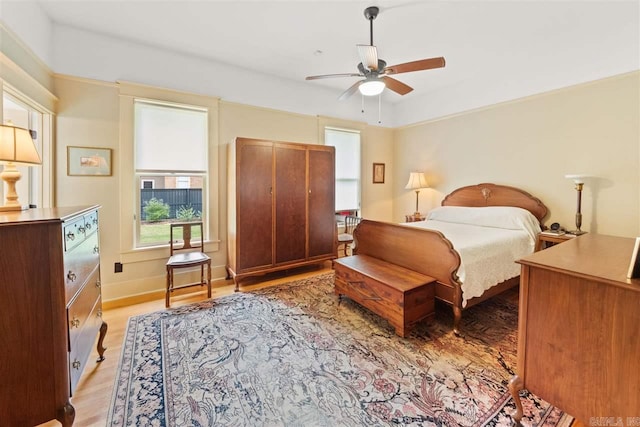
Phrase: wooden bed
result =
(445, 265)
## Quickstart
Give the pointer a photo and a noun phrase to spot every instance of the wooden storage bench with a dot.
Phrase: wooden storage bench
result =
(401, 296)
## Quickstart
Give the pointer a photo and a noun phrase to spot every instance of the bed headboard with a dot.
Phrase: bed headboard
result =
(495, 195)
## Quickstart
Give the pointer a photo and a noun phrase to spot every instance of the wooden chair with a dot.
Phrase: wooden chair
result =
(189, 256)
(346, 239)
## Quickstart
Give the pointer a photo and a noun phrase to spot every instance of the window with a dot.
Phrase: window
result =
(170, 150)
(21, 113)
(347, 145)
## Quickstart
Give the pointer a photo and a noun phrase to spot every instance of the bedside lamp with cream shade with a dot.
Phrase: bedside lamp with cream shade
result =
(16, 146)
(417, 181)
(578, 180)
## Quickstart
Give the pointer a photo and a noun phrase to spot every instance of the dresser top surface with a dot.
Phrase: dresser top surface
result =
(594, 256)
(43, 215)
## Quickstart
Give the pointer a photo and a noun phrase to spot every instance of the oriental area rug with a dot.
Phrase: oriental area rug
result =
(295, 355)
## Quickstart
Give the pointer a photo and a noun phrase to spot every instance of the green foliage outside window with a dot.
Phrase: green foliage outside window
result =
(187, 213)
(156, 210)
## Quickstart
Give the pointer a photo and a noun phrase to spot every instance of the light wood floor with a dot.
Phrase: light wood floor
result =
(93, 394)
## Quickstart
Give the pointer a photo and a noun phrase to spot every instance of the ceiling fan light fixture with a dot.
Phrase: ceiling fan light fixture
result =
(372, 87)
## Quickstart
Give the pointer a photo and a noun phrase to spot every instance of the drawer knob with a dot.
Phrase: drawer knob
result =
(71, 276)
(98, 284)
(96, 249)
(95, 221)
(76, 364)
(99, 313)
(81, 229)
(70, 236)
(87, 226)
(75, 322)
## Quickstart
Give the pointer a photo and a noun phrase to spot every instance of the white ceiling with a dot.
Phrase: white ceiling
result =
(528, 46)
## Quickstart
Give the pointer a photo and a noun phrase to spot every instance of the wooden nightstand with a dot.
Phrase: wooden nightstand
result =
(414, 218)
(546, 240)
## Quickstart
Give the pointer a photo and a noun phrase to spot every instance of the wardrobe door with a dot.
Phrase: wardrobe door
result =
(321, 201)
(290, 203)
(254, 204)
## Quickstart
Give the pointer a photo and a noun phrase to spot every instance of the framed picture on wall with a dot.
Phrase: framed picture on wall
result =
(88, 161)
(378, 173)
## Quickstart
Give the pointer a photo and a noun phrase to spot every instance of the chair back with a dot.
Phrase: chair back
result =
(350, 223)
(186, 236)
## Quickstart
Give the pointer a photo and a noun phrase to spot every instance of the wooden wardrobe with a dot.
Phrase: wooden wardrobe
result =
(281, 206)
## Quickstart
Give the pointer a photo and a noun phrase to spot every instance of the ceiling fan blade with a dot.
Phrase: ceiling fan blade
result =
(368, 56)
(423, 64)
(353, 89)
(396, 85)
(329, 76)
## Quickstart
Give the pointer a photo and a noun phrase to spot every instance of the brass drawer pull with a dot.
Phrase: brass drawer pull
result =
(75, 322)
(71, 276)
(76, 364)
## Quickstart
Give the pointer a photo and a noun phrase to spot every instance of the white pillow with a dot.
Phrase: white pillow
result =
(507, 217)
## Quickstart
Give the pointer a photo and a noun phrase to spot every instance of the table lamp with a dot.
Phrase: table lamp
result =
(578, 180)
(16, 146)
(417, 181)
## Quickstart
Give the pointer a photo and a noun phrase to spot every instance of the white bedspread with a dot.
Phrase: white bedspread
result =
(487, 253)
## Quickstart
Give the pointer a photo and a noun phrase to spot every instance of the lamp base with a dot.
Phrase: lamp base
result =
(576, 232)
(14, 208)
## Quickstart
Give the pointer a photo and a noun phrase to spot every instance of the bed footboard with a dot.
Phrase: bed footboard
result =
(425, 251)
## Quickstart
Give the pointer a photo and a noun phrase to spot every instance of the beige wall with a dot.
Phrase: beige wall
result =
(532, 143)
(89, 114)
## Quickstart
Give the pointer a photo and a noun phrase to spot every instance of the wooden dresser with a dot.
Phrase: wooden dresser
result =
(50, 310)
(579, 329)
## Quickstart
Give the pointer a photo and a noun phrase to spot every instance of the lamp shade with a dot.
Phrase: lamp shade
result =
(372, 87)
(577, 178)
(16, 146)
(417, 180)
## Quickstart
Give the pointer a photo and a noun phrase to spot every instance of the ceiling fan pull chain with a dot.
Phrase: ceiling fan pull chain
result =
(362, 97)
(380, 108)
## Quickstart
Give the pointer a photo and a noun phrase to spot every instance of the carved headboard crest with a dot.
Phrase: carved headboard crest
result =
(495, 195)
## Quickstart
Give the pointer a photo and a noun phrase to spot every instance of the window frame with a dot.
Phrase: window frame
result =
(130, 186)
(357, 180)
(39, 179)
(140, 173)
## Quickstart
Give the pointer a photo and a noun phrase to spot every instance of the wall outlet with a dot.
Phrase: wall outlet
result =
(117, 267)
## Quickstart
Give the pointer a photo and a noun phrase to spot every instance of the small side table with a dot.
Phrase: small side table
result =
(547, 240)
(414, 218)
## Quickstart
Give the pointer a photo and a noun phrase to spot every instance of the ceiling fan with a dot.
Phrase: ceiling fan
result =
(376, 72)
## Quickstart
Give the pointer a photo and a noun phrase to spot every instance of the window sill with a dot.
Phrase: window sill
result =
(152, 253)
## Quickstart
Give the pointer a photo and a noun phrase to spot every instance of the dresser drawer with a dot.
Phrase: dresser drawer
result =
(73, 233)
(79, 309)
(83, 341)
(91, 222)
(79, 263)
